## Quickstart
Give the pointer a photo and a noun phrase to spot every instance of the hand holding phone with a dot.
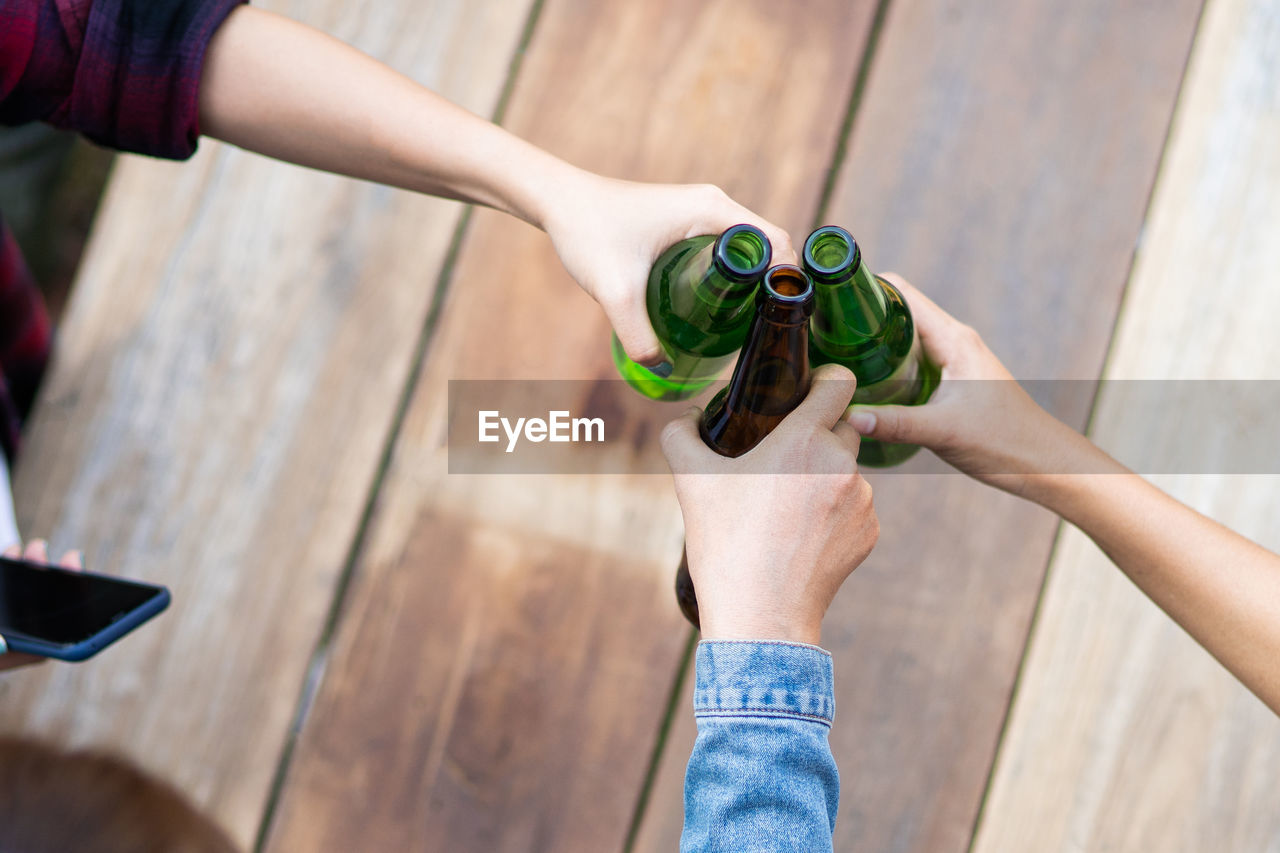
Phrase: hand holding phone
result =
(62, 612)
(37, 551)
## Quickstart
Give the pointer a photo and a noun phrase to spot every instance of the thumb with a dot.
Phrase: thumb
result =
(630, 320)
(896, 424)
(682, 445)
(829, 395)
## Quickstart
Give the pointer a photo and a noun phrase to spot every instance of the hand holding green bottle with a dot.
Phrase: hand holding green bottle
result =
(609, 233)
(861, 321)
(700, 299)
(981, 421)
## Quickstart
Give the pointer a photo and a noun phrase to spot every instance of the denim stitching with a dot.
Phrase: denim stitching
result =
(764, 713)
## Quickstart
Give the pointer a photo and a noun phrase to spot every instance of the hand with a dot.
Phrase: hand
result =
(608, 233)
(989, 428)
(37, 551)
(769, 550)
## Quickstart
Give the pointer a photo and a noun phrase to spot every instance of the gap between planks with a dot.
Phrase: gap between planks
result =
(319, 658)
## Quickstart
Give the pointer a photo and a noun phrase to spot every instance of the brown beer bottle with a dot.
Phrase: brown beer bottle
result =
(770, 379)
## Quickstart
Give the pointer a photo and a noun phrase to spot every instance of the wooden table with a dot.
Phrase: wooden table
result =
(366, 653)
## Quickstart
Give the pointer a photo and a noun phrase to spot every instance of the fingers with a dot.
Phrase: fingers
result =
(897, 424)
(37, 551)
(630, 321)
(935, 326)
(829, 395)
(723, 212)
(916, 299)
(682, 445)
(779, 241)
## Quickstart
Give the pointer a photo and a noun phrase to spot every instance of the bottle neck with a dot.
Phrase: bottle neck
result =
(715, 284)
(770, 379)
(773, 369)
(850, 306)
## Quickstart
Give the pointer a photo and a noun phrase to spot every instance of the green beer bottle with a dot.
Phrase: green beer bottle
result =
(699, 302)
(861, 321)
(770, 379)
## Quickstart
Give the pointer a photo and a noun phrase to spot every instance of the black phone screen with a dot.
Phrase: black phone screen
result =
(63, 607)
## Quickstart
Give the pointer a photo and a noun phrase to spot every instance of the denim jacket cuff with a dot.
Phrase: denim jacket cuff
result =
(764, 678)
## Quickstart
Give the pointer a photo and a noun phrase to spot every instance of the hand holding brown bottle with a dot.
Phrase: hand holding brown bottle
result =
(772, 534)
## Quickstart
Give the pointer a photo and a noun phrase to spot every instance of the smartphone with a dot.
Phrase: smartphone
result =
(69, 615)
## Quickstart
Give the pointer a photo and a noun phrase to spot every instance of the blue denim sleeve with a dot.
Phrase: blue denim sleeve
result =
(761, 777)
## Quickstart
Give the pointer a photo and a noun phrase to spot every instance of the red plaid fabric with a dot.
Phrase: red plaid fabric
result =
(126, 74)
(24, 340)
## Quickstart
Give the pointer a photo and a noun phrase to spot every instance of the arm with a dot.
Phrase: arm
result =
(1221, 588)
(761, 776)
(152, 75)
(283, 89)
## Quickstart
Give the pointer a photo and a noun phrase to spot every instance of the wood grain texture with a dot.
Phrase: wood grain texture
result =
(531, 618)
(1126, 735)
(226, 376)
(1001, 159)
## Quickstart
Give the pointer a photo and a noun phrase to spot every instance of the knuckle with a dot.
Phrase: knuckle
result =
(969, 334)
(711, 192)
(846, 465)
(670, 434)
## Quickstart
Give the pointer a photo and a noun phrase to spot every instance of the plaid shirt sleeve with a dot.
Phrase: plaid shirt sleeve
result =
(126, 74)
(24, 340)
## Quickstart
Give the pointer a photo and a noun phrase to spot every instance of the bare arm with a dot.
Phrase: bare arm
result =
(283, 89)
(1223, 589)
(286, 90)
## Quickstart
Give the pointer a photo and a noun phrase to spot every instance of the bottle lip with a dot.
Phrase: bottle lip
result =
(848, 261)
(731, 267)
(798, 293)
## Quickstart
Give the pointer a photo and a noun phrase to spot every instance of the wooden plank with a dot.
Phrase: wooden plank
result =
(1002, 159)
(227, 374)
(503, 666)
(1126, 735)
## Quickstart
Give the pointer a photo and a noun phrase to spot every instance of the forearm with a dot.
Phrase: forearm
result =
(283, 89)
(1223, 589)
(761, 776)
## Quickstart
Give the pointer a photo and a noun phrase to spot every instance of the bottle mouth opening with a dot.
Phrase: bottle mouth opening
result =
(788, 284)
(830, 250)
(743, 253)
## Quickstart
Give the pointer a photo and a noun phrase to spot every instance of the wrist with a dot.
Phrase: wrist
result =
(759, 626)
(562, 194)
(1067, 485)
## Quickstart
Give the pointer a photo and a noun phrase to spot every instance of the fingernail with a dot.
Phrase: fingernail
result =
(863, 422)
(662, 368)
